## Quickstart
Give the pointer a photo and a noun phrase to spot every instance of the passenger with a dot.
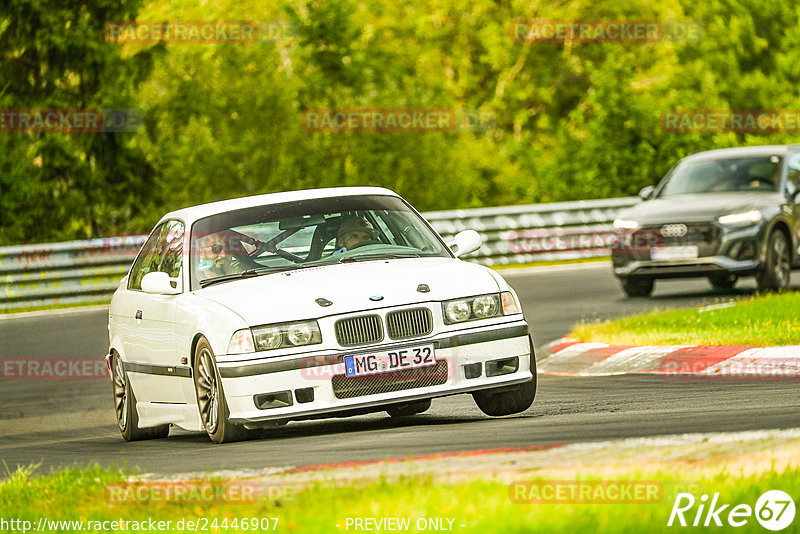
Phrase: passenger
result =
(354, 231)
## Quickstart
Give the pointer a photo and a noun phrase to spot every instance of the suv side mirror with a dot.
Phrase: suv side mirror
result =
(647, 192)
(158, 283)
(465, 242)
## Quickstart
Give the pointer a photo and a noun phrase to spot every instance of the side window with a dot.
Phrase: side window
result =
(793, 174)
(163, 251)
(172, 251)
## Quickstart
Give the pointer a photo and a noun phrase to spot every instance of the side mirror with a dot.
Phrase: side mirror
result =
(158, 283)
(647, 192)
(465, 242)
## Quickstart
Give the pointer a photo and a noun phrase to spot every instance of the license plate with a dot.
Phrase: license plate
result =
(688, 252)
(390, 360)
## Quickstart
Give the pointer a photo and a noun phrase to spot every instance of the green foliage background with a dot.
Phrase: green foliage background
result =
(570, 121)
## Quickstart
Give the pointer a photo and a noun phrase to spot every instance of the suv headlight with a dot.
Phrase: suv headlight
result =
(282, 335)
(474, 308)
(744, 218)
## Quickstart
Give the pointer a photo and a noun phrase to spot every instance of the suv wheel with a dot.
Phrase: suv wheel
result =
(723, 281)
(638, 287)
(777, 269)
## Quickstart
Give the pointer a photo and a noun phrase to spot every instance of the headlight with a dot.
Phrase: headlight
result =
(485, 306)
(741, 219)
(241, 342)
(471, 309)
(276, 336)
(457, 311)
(625, 224)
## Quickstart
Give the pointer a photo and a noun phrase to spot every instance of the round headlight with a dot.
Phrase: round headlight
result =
(268, 339)
(299, 334)
(458, 310)
(485, 306)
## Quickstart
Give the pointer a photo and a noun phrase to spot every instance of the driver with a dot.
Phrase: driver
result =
(354, 231)
(215, 257)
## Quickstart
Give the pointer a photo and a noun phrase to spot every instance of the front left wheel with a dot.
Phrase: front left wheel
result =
(508, 401)
(125, 406)
(214, 413)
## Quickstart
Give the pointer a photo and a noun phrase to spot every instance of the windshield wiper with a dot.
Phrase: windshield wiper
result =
(369, 257)
(244, 274)
(250, 273)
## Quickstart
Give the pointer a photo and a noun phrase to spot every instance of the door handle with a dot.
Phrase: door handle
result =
(139, 314)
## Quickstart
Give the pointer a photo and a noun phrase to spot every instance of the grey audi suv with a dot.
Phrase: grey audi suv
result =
(720, 214)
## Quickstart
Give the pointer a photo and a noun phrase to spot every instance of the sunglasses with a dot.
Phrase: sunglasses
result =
(217, 248)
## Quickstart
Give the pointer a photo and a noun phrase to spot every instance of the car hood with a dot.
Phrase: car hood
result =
(697, 208)
(291, 295)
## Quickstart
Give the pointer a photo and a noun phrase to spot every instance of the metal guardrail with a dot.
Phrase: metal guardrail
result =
(86, 271)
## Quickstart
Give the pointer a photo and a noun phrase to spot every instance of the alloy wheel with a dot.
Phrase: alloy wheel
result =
(207, 391)
(120, 393)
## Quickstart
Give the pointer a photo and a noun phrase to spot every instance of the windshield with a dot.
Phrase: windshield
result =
(755, 173)
(295, 235)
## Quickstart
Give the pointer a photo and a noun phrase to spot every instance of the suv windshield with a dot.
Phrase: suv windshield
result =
(295, 235)
(754, 173)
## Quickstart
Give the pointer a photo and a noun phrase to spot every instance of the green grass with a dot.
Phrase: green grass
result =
(551, 262)
(762, 320)
(480, 506)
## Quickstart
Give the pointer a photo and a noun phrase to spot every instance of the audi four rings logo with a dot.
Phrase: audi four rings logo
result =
(674, 230)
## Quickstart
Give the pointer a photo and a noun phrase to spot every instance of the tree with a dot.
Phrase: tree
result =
(68, 185)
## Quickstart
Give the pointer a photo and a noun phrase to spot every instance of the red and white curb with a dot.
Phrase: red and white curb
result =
(573, 358)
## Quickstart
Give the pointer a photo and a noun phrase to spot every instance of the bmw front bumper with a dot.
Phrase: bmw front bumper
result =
(315, 384)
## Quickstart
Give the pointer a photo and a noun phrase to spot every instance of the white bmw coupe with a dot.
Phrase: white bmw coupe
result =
(248, 313)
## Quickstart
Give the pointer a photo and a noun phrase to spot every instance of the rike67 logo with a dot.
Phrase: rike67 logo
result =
(774, 510)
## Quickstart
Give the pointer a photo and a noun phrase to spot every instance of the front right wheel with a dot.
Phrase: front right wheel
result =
(638, 287)
(214, 413)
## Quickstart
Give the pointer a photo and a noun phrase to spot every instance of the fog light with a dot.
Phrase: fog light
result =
(304, 395)
(472, 370)
(506, 366)
(279, 399)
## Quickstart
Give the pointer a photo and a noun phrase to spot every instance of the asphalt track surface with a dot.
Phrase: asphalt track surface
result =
(60, 423)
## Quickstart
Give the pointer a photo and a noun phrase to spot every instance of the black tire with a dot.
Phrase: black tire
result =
(777, 271)
(214, 413)
(508, 402)
(723, 281)
(411, 408)
(638, 287)
(125, 406)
